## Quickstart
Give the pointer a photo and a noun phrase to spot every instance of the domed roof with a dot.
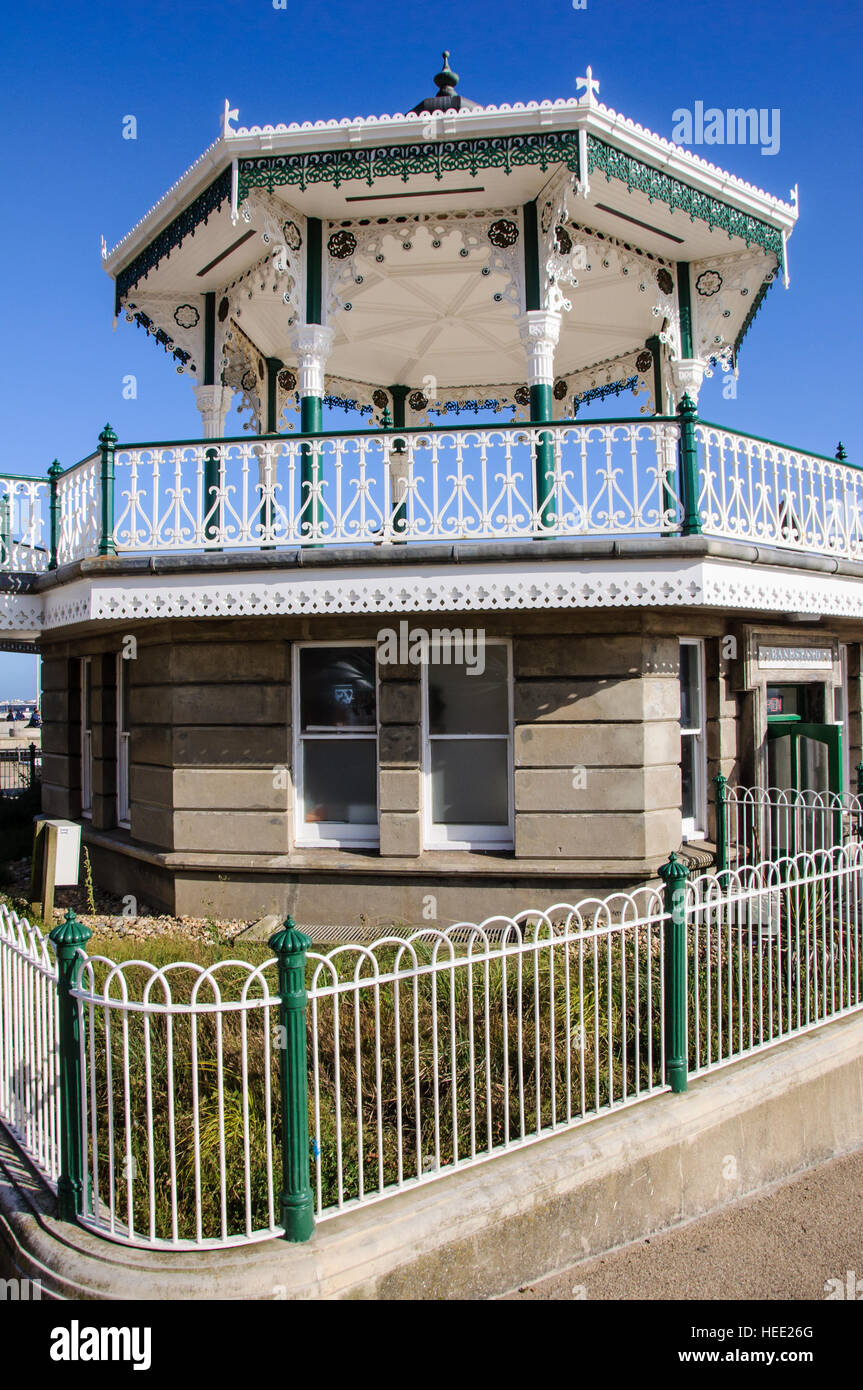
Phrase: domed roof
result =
(446, 97)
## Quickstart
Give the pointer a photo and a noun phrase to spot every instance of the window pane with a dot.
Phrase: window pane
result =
(687, 773)
(340, 781)
(337, 687)
(123, 676)
(690, 714)
(470, 782)
(461, 703)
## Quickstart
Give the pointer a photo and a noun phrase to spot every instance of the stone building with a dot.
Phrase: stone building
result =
(484, 649)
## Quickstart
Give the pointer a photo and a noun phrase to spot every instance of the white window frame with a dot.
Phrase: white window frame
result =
(331, 834)
(86, 739)
(122, 751)
(695, 827)
(475, 837)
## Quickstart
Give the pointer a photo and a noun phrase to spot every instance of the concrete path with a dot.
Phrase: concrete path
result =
(785, 1243)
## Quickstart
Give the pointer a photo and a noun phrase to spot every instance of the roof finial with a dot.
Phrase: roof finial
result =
(446, 80)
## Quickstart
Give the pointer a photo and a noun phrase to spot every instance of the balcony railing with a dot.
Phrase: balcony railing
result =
(656, 477)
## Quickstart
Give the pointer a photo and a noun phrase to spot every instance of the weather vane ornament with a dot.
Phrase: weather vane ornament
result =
(590, 85)
(229, 115)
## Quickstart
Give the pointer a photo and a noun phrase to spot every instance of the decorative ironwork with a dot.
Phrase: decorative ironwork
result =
(662, 187)
(186, 316)
(562, 241)
(560, 389)
(664, 280)
(248, 381)
(417, 401)
(341, 245)
(293, 236)
(503, 233)
(709, 283)
(429, 158)
(185, 224)
(287, 380)
(599, 393)
(644, 361)
(380, 399)
(522, 395)
(223, 308)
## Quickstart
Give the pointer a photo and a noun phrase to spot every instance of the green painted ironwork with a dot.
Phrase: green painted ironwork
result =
(841, 455)
(5, 530)
(859, 771)
(426, 158)
(311, 420)
(399, 397)
(68, 938)
(296, 1199)
(684, 304)
(107, 442)
(541, 413)
(721, 783)
(532, 277)
(755, 306)
(184, 224)
(665, 188)
(54, 474)
(674, 875)
(209, 376)
(314, 270)
(689, 484)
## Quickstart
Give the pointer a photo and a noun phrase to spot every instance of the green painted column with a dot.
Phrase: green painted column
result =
(107, 441)
(540, 411)
(399, 474)
(674, 875)
(271, 426)
(296, 1198)
(688, 417)
(54, 475)
(5, 530)
(67, 939)
(721, 784)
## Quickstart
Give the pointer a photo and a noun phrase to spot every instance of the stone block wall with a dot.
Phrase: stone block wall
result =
(597, 747)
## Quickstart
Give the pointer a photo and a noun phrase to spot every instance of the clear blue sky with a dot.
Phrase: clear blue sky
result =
(72, 72)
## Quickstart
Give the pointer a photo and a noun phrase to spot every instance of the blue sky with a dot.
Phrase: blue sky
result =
(72, 72)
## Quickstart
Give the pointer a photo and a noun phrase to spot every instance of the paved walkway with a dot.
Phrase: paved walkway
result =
(785, 1243)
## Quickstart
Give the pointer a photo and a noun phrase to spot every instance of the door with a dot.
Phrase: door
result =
(804, 761)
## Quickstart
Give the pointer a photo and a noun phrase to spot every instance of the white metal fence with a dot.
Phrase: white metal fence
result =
(765, 823)
(426, 1054)
(599, 478)
(444, 485)
(755, 490)
(439, 1051)
(29, 1058)
(774, 949)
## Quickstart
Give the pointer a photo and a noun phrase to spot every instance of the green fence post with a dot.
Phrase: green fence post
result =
(297, 1203)
(721, 783)
(54, 473)
(6, 530)
(860, 779)
(687, 414)
(107, 440)
(32, 755)
(67, 938)
(674, 875)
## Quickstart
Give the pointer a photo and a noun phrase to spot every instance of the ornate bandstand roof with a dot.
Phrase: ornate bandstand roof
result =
(421, 239)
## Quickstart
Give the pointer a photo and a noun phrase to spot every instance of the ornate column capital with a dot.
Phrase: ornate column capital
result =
(687, 374)
(312, 343)
(539, 330)
(213, 402)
